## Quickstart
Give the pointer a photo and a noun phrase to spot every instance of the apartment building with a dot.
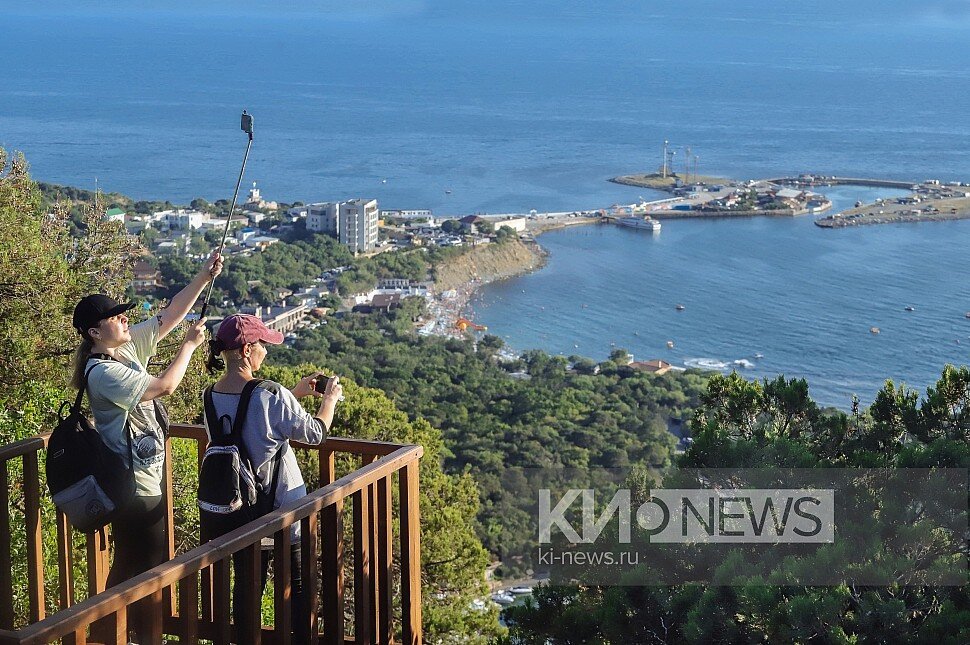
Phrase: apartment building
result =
(357, 225)
(353, 222)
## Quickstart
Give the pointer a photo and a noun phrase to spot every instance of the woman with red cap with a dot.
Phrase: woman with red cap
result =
(111, 362)
(273, 418)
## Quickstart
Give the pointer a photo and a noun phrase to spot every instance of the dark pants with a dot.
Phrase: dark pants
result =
(299, 607)
(140, 544)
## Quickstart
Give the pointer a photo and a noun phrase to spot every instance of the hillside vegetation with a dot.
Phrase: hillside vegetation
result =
(44, 271)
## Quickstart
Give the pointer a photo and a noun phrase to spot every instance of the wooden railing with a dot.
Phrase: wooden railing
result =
(189, 595)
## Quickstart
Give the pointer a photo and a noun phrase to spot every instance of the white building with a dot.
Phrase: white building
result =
(408, 214)
(517, 224)
(321, 217)
(353, 222)
(180, 219)
(357, 225)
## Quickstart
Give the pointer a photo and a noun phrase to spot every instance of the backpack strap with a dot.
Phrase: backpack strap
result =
(212, 421)
(80, 395)
(278, 457)
(76, 408)
(240, 418)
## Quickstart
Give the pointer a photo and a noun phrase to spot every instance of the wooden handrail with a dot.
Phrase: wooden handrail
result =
(368, 486)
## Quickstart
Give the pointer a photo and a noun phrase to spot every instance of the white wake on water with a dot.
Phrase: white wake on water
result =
(716, 365)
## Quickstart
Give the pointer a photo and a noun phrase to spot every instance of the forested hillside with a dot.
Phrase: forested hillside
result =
(775, 424)
(46, 265)
(544, 416)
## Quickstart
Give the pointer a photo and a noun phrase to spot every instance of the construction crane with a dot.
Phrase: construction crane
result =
(463, 323)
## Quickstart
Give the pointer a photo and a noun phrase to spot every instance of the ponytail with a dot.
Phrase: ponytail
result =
(81, 361)
(214, 362)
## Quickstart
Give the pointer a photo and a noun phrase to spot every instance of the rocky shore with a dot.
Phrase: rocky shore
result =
(457, 279)
(930, 210)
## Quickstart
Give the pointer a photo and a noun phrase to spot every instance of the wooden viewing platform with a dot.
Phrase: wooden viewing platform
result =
(190, 593)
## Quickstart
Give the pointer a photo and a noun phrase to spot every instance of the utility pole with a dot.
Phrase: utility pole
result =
(687, 165)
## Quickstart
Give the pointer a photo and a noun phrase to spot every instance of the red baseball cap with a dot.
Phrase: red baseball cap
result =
(241, 329)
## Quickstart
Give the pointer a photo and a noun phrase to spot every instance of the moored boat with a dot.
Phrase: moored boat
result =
(645, 222)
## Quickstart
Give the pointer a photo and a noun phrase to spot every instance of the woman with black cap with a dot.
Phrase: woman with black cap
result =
(111, 359)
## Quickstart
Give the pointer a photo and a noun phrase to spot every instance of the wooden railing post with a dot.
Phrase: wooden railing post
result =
(249, 627)
(97, 561)
(410, 555)
(65, 563)
(333, 574)
(282, 590)
(221, 602)
(308, 562)
(189, 609)
(384, 560)
(373, 589)
(206, 581)
(6, 564)
(362, 568)
(35, 553)
(169, 501)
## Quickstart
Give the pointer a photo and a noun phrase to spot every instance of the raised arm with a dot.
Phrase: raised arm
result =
(184, 300)
(166, 382)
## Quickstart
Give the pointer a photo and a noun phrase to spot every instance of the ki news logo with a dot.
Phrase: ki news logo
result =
(695, 516)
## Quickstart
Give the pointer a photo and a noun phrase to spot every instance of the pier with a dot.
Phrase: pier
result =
(815, 180)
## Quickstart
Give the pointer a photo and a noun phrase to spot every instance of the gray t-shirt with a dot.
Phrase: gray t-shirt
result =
(274, 417)
(115, 389)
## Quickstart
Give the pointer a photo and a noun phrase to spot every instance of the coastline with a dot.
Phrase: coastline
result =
(451, 302)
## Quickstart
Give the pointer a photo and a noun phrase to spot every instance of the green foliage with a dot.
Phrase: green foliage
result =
(742, 424)
(492, 422)
(45, 271)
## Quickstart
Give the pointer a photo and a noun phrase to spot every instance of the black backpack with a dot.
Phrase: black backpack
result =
(90, 482)
(230, 493)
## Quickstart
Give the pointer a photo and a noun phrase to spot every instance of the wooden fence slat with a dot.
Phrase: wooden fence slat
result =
(97, 547)
(410, 555)
(169, 501)
(154, 607)
(97, 551)
(249, 626)
(362, 567)
(328, 466)
(308, 562)
(221, 596)
(385, 559)
(333, 573)
(282, 589)
(65, 562)
(188, 604)
(374, 615)
(206, 580)
(114, 628)
(6, 564)
(35, 553)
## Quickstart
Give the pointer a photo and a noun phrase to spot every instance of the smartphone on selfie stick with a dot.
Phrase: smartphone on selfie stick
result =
(323, 386)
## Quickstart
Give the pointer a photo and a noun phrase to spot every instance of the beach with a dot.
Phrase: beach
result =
(474, 270)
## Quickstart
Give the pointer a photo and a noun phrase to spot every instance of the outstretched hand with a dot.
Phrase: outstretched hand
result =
(213, 265)
(307, 386)
(195, 334)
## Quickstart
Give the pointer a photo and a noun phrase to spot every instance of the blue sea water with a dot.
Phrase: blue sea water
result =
(509, 106)
(801, 297)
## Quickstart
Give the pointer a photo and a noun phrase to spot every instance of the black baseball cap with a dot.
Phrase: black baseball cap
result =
(95, 308)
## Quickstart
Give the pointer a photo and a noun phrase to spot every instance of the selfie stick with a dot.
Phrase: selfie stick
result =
(246, 124)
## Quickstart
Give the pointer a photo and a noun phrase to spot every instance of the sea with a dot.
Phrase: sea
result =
(509, 106)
